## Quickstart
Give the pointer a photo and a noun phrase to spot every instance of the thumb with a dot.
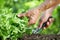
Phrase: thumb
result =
(40, 24)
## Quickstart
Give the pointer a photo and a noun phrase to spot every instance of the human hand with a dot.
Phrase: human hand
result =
(32, 14)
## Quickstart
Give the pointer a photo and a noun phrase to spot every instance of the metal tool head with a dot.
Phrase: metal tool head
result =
(36, 31)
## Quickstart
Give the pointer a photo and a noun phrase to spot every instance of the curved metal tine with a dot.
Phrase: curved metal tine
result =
(37, 30)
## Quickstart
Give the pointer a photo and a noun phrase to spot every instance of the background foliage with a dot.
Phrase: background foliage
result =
(13, 27)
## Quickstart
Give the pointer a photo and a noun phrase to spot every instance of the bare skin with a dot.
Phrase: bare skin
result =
(34, 14)
(44, 18)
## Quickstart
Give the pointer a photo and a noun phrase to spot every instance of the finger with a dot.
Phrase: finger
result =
(48, 23)
(51, 20)
(45, 25)
(33, 19)
(41, 24)
(31, 22)
(20, 15)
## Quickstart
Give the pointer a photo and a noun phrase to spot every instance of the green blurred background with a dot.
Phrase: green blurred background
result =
(13, 27)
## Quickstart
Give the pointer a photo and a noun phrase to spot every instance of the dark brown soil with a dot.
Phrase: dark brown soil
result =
(40, 37)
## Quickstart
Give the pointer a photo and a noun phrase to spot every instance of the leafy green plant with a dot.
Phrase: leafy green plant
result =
(14, 27)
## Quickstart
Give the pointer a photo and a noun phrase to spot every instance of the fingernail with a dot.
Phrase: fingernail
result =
(48, 23)
(50, 19)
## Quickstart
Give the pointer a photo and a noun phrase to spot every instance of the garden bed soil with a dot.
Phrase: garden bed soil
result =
(40, 37)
